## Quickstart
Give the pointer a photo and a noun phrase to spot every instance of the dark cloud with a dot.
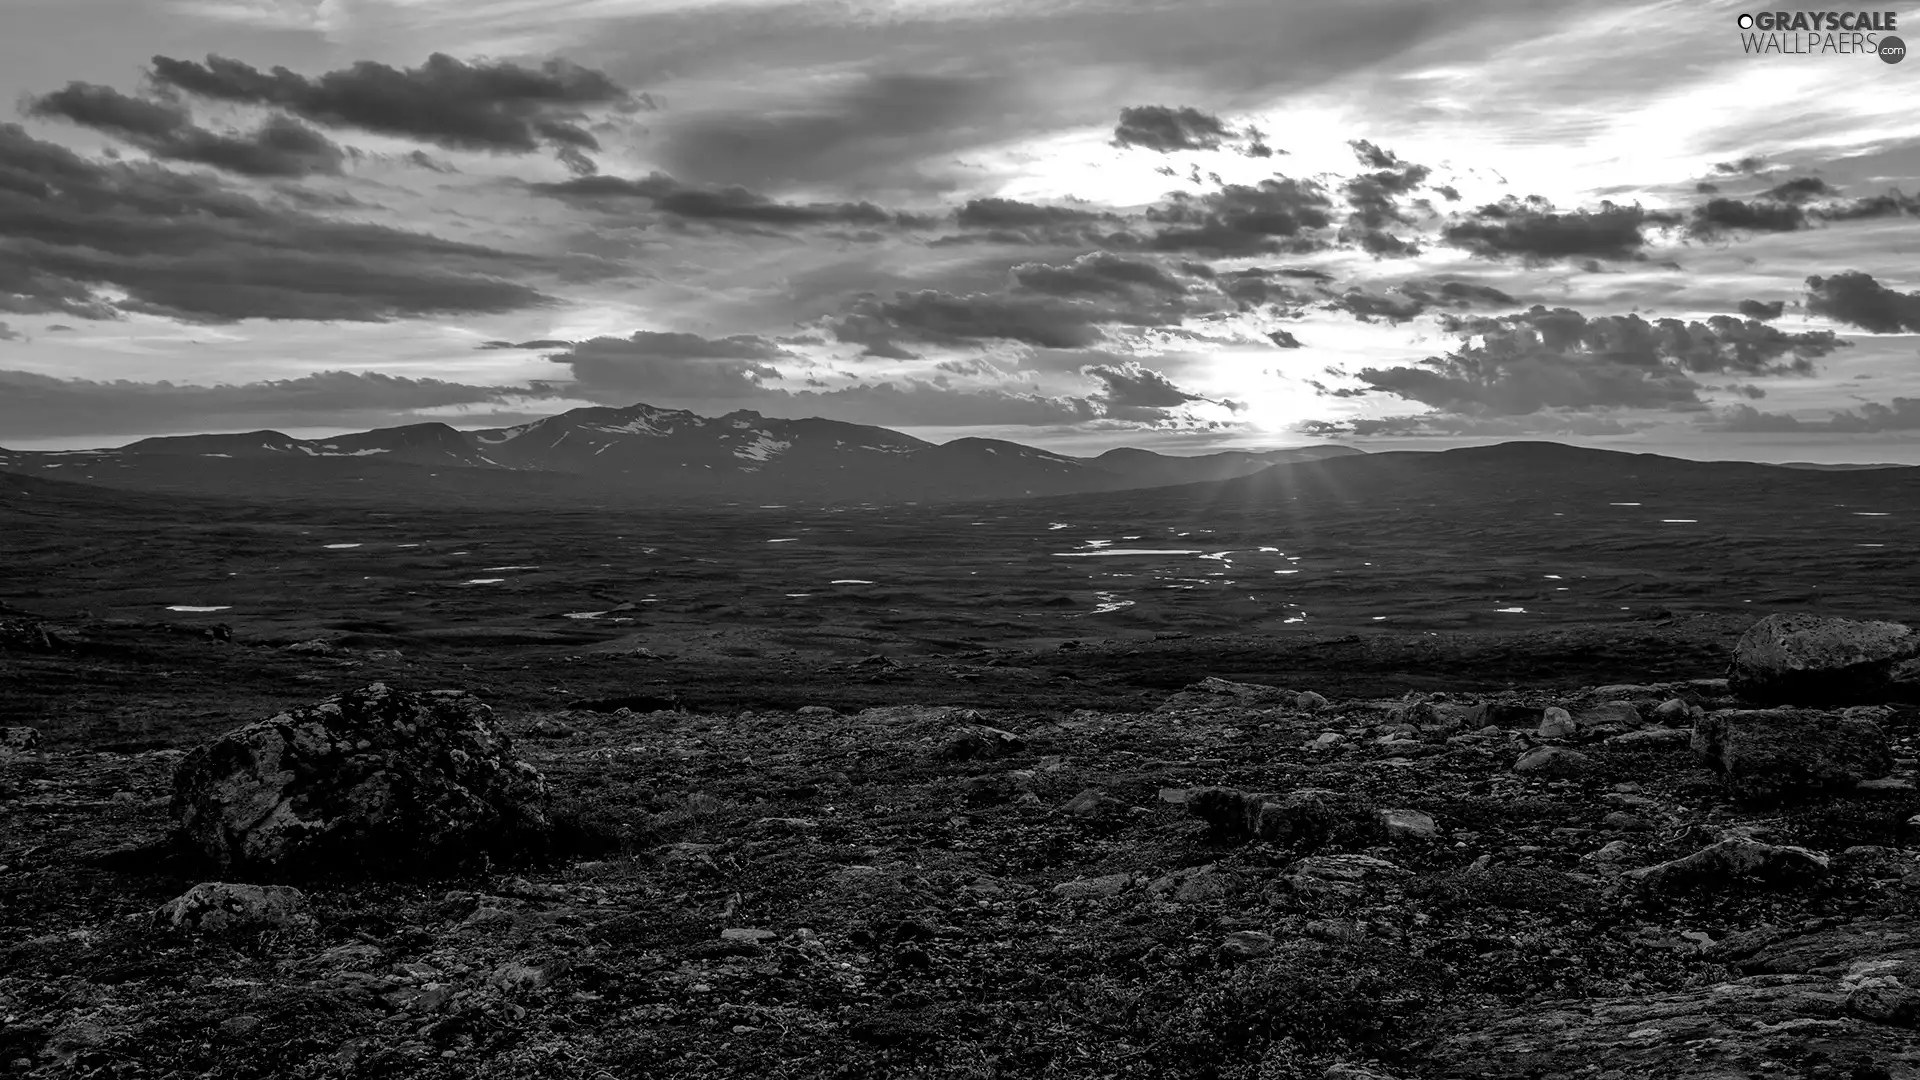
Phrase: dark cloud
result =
(1720, 216)
(918, 403)
(1239, 220)
(1800, 189)
(728, 205)
(543, 343)
(1858, 300)
(1560, 359)
(947, 319)
(1258, 285)
(8, 333)
(1765, 311)
(1752, 165)
(1705, 188)
(1891, 204)
(281, 147)
(1097, 274)
(1547, 422)
(1447, 192)
(1132, 386)
(40, 405)
(188, 246)
(1010, 221)
(673, 365)
(1368, 307)
(1532, 230)
(498, 107)
(1167, 130)
(1283, 339)
(1871, 418)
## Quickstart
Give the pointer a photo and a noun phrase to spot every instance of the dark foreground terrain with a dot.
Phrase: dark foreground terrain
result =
(873, 889)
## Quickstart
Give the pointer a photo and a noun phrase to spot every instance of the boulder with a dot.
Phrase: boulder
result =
(1622, 714)
(1732, 861)
(218, 907)
(1771, 753)
(1811, 659)
(375, 782)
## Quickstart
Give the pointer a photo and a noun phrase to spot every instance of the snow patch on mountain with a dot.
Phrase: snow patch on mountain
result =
(763, 447)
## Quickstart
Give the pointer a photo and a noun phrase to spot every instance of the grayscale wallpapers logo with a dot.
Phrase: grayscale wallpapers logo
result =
(1822, 33)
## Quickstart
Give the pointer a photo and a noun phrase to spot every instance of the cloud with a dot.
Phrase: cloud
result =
(1764, 311)
(1097, 274)
(8, 333)
(1871, 418)
(1546, 422)
(1367, 307)
(189, 247)
(1131, 386)
(1560, 359)
(280, 147)
(1011, 221)
(1283, 339)
(1239, 220)
(1533, 231)
(499, 107)
(733, 205)
(675, 365)
(1858, 300)
(1751, 165)
(941, 318)
(1720, 216)
(1800, 189)
(33, 405)
(1167, 130)
(876, 130)
(1256, 285)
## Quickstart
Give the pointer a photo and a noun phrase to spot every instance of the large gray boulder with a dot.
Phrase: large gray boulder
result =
(1815, 660)
(375, 782)
(1773, 753)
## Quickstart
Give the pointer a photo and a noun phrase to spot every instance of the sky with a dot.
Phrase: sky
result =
(1186, 225)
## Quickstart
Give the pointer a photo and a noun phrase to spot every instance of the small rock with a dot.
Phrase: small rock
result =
(1622, 714)
(19, 740)
(1406, 825)
(747, 934)
(1326, 740)
(1098, 888)
(1553, 761)
(218, 907)
(1556, 723)
(1673, 712)
(815, 710)
(1309, 700)
(1093, 806)
(1338, 876)
(1625, 822)
(1246, 945)
(979, 742)
(1652, 738)
(1345, 1071)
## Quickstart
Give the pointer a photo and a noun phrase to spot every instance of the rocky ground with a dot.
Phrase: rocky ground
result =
(1222, 881)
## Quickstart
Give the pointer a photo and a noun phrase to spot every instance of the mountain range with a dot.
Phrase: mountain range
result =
(637, 452)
